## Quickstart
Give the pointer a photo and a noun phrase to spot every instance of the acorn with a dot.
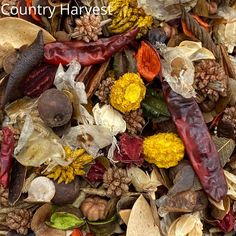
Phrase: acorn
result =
(55, 108)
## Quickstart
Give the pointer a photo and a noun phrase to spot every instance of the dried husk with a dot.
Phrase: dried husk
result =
(187, 225)
(142, 181)
(41, 189)
(141, 221)
(110, 118)
(19, 32)
(231, 181)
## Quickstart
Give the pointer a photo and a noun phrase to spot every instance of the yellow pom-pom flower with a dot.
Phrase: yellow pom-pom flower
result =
(164, 149)
(126, 15)
(67, 174)
(127, 92)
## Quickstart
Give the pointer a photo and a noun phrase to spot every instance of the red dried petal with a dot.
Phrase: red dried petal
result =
(96, 172)
(6, 155)
(39, 80)
(227, 224)
(131, 148)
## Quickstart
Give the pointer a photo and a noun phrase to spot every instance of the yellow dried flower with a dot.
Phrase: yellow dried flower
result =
(127, 92)
(164, 149)
(67, 173)
(127, 16)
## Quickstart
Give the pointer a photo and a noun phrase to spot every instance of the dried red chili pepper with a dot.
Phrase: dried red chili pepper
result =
(39, 80)
(87, 53)
(200, 148)
(6, 155)
(227, 224)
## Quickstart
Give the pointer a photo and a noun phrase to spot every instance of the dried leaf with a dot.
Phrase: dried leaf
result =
(141, 221)
(41, 189)
(183, 202)
(225, 148)
(219, 213)
(231, 181)
(125, 214)
(20, 32)
(186, 225)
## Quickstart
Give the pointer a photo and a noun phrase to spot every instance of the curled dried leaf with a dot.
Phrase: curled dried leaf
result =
(221, 210)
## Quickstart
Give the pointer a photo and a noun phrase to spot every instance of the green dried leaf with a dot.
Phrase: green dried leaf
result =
(225, 148)
(64, 221)
(154, 107)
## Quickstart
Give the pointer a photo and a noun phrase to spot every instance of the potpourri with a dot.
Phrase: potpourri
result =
(118, 118)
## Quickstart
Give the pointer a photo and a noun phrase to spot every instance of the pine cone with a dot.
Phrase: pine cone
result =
(210, 81)
(135, 121)
(116, 181)
(19, 220)
(7, 8)
(88, 27)
(3, 197)
(103, 92)
(230, 116)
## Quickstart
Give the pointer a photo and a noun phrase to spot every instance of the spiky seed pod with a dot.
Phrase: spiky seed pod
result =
(19, 220)
(88, 27)
(103, 91)
(210, 81)
(3, 197)
(116, 181)
(134, 121)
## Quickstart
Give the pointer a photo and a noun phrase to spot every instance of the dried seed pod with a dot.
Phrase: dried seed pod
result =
(54, 108)
(94, 208)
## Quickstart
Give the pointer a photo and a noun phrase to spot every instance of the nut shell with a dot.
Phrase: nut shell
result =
(54, 108)
(94, 208)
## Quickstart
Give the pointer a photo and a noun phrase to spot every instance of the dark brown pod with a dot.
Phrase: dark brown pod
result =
(54, 108)
(26, 62)
(66, 193)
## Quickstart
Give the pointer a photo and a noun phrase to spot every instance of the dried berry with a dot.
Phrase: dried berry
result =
(54, 108)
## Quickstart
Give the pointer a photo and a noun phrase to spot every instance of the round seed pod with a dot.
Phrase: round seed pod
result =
(55, 108)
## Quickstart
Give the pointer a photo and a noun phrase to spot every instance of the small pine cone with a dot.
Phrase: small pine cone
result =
(230, 116)
(19, 220)
(210, 80)
(3, 197)
(116, 181)
(103, 92)
(8, 5)
(88, 27)
(135, 121)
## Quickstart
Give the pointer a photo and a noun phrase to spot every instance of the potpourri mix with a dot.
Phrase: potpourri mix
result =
(121, 123)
